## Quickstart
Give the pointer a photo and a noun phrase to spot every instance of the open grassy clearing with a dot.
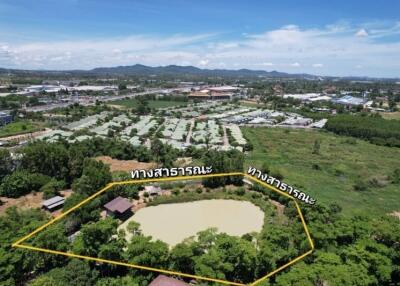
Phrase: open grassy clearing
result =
(331, 175)
(133, 103)
(19, 127)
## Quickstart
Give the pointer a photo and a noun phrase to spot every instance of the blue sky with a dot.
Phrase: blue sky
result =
(319, 37)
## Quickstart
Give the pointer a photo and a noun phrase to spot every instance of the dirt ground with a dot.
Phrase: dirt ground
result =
(126, 166)
(29, 201)
(33, 200)
(183, 161)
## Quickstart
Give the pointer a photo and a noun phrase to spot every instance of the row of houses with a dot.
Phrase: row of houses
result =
(5, 118)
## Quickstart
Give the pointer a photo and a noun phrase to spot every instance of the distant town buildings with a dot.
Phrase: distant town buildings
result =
(350, 101)
(215, 93)
(5, 118)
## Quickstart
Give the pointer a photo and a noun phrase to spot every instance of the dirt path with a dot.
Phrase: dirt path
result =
(189, 136)
(225, 139)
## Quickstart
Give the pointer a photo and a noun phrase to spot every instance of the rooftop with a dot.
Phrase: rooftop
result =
(163, 280)
(53, 202)
(119, 204)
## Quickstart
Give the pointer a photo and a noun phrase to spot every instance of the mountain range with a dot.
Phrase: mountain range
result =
(172, 70)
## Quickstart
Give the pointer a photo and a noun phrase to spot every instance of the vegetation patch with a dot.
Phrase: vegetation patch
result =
(19, 127)
(341, 166)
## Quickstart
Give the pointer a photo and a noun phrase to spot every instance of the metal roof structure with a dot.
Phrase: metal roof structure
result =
(163, 280)
(118, 205)
(53, 202)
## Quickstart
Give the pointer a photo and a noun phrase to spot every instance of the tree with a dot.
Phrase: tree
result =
(224, 162)
(16, 264)
(50, 159)
(134, 228)
(143, 105)
(76, 272)
(54, 238)
(94, 235)
(52, 188)
(20, 183)
(95, 175)
(316, 147)
(182, 258)
(142, 251)
(6, 163)
(122, 86)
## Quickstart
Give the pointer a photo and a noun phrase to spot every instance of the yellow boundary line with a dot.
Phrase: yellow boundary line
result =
(18, 244)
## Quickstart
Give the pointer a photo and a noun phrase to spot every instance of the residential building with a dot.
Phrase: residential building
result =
(163, 280)
(119, 207)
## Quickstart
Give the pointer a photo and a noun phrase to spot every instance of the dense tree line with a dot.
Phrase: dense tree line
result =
(372, 128)
(224, 162)
(64, 164)
(349, 251)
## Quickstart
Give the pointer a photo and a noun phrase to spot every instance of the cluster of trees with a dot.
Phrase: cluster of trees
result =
(49, 167)
(372, 128)
(163, 153)
(349, 251)
(224, 162)
(76, 111)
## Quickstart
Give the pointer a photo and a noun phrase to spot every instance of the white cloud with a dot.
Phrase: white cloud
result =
(362, 33)
(338, 46)
(266, 64)
(204, 62)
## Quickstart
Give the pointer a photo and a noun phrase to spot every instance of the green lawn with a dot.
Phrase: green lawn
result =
(342, 162)
(133, 103)
(19, 127)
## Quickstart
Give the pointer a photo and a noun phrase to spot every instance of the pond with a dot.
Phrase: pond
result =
(172, 223)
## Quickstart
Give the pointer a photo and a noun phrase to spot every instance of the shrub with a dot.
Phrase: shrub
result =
(240, 191)
(277, 174)
(396, 176)
(52, 188)
(360, 186)
(316, 167)
(265, 168)
(21, 183)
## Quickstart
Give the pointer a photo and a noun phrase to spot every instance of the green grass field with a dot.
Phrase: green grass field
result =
(19, 127)
(331, 175)
(133, 103)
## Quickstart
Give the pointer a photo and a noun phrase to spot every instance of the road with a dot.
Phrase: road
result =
(90, 101)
